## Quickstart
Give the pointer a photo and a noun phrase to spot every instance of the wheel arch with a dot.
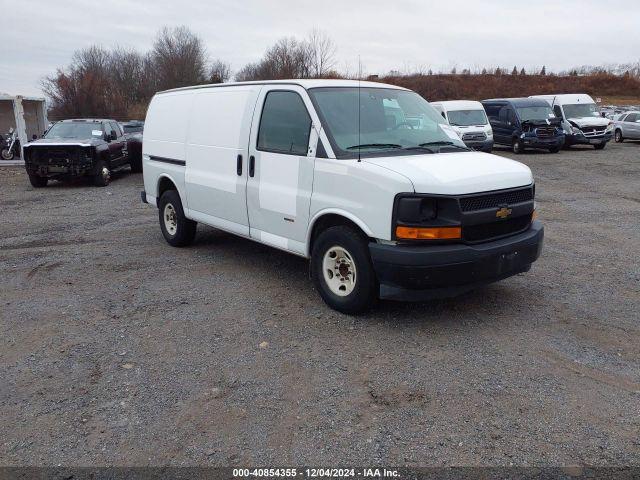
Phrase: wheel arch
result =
(333, 217)
(166, 182)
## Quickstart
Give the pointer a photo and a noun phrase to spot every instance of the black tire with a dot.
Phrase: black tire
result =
(102, 177)
(7, 154)
(136, 165)
(554, 149)
(365, 286)
(516, 146)
(600, 146)
(177, 229)
(618, 136)
(37, 181)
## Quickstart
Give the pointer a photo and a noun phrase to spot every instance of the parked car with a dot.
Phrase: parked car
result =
(469, 120)
(627, 127)
(81, 147)
(523, 123)
(329, 170)
(581, 121)
(132, 126)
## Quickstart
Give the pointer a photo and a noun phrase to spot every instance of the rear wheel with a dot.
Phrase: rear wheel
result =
(600, 146)
(177, 229)
(342, 272)
(516, 146)
(102, 176)
(37, 181)
(618, 137)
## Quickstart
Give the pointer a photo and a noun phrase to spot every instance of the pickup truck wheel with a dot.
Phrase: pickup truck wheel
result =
(37, 181)
(600, 146)
(554, 149)
(136, 165)
(177, 229)
(103, 175)
(516, 146)
(618, 137)
(342, 272)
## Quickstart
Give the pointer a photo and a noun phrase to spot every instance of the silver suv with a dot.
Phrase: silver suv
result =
(627, 127)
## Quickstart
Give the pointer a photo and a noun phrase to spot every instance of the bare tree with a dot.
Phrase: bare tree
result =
(321, 53)
(220, 71)
(179, 58)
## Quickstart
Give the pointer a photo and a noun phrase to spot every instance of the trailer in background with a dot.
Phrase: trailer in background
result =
(27, 115)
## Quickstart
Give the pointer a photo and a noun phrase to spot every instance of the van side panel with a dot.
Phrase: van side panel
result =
(218, 133)
(163, 142)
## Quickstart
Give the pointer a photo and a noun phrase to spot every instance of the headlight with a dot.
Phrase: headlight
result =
(576, 131)
(609, 127)
(489, 134)
(416, 210)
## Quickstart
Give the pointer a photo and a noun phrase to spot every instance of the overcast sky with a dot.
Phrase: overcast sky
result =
(38, 36)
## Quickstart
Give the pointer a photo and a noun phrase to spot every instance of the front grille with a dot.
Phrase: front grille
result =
(474, 137)
(545, 132)
(494, 200)
(487, 231)
(593, 131)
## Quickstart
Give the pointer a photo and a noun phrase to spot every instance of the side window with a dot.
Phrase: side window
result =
(285, 124)
(622, 118)
(632, 117)
(511, 116)
(503, 114)
(116, 128)
(493, 111)
(557, 111)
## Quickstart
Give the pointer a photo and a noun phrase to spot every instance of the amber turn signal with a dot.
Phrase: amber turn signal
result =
(534, 215)
(432, 233)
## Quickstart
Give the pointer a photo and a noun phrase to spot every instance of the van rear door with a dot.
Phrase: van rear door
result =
(282, 153)
(216, 152)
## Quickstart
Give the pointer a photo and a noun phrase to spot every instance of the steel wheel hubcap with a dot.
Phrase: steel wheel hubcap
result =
(339, 271)
(106, 175)
(170, 219)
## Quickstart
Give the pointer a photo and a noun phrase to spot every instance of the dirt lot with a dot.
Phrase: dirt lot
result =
(116, 349)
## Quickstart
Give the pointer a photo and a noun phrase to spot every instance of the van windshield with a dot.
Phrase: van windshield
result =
(390, 122)
(580, 110)
(465, 118)
(535, 113)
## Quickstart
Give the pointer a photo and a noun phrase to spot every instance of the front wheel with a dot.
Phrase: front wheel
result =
(554, 149)
(600, 146)
(37, 181)
(342, 272)
(618, 137)
(177, 229)
(102, 176)
(7, 154)
(517, 146)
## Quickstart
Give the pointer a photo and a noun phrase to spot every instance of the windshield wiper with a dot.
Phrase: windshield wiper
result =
(375, 145)
(441, 143)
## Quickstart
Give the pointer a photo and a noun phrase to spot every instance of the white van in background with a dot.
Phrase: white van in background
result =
(469, 120)
(365, 179)
(581, 120)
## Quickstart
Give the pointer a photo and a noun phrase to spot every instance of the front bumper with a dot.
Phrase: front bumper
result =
(484, 145)
(535, 142)
(423, 272)
(580, 139)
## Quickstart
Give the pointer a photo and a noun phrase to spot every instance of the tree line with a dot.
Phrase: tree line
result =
(119, 83)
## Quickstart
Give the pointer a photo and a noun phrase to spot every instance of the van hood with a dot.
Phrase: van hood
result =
(589, 121)
(457, 173)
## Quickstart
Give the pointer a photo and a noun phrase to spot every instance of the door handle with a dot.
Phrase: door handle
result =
(252, 166)
(239, 165)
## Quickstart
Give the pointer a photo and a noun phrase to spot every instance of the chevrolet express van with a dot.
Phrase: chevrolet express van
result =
(469, 120)
(364, 179)
(522, 123)
(581, 121)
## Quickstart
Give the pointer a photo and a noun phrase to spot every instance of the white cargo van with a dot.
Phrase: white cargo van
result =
(366, 180)
(581, 120)
(469, 120)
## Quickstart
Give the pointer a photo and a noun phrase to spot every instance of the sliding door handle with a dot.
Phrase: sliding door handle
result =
(239, 165)
(252, 166)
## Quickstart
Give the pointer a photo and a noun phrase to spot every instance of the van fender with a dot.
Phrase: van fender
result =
(179, 188)
(335, 211)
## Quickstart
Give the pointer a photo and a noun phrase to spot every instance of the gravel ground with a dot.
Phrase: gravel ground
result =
(117, 349)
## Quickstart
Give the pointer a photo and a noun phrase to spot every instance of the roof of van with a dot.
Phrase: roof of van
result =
(564, 98)
(459, 104)
(520, 102)
(304, 83)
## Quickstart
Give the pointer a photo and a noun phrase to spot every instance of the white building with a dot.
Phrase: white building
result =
(27, 115)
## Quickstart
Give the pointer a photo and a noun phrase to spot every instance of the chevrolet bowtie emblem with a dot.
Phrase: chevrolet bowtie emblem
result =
(504, 212)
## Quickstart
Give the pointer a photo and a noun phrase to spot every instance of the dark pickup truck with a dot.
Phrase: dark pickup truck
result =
(83, 147)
